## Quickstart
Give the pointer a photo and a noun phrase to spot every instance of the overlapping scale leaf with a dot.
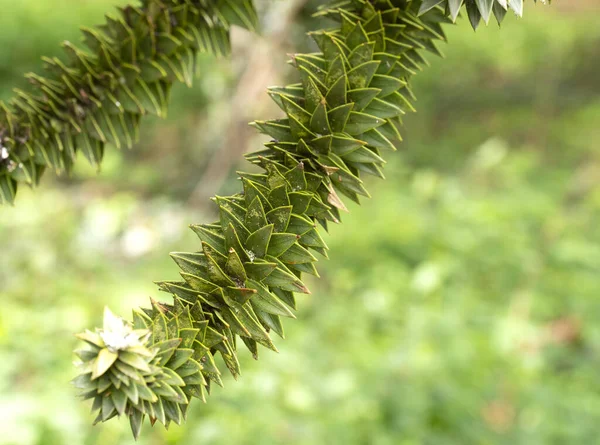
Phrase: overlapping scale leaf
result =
(99, 94)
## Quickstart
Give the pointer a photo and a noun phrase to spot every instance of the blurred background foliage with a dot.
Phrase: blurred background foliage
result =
(460, 304)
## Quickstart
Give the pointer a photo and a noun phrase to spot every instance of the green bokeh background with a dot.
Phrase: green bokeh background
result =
(460, 304)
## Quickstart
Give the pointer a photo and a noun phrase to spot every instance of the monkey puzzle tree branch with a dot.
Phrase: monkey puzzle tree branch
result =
(99, 94)
(340, 121)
